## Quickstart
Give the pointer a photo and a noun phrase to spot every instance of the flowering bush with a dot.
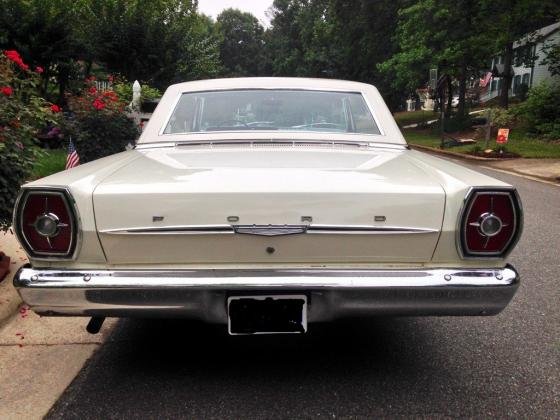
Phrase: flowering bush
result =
(23, 113)
(101, 126)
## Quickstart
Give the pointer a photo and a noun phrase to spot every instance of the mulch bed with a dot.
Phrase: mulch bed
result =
(495, 154)
(4, 265)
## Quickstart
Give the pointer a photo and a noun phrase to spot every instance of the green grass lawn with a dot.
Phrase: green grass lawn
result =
(51, 162)
(414, 117)
(518, 143)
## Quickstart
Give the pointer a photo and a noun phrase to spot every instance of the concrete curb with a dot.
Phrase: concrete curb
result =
(9, 297)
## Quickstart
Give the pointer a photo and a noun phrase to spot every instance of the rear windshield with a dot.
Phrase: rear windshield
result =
(285, 110)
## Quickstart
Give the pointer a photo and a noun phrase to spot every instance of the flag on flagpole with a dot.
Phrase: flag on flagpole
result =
(72, 159)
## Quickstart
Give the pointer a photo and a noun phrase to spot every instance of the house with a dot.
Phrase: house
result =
(528, 67)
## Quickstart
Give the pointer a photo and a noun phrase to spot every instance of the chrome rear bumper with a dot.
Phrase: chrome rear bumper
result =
(202, 294)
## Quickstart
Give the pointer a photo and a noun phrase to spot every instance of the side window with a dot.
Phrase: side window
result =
(182, 120)
(363, 120)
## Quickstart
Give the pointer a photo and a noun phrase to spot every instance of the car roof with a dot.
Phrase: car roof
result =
(154, 129)
(268, 83)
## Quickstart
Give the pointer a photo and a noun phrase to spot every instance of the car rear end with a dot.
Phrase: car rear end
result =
(266, 225)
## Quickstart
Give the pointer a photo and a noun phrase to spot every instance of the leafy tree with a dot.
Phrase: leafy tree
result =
(447, 34)
(552, 58)
(242, 43)
(43, 32)
(157, 41)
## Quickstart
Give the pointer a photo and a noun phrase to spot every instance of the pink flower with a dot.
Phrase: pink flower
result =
(39, 69)
(7, 90)
(92, 90)
(55, 108)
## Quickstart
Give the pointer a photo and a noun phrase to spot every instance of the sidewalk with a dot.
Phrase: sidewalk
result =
(9, 298)
(547, 169)
(544, 169)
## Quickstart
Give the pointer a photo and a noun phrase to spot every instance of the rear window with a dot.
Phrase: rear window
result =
(284, 110)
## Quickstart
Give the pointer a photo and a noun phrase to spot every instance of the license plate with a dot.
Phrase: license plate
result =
(278, 314)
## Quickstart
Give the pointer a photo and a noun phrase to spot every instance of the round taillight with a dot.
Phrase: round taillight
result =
(45, 223)
(48, 225)
(490, 223)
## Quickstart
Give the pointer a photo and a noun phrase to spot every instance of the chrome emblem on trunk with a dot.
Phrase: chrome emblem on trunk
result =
(270, 230)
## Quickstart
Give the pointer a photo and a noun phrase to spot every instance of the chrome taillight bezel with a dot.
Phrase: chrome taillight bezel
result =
(462, 247)
(72, 210)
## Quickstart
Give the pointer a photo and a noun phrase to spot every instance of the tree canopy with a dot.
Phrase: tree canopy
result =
(390, 43)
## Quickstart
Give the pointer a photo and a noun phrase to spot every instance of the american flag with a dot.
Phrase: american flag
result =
(72, 159)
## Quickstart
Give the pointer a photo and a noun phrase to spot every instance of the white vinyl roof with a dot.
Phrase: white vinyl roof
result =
(153, 131)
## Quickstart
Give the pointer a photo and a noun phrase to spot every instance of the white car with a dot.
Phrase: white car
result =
(265, 204)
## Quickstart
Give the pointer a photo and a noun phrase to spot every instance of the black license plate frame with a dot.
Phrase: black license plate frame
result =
(267, 314)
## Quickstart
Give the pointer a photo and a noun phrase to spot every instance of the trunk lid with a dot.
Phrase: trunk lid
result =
(273, 204)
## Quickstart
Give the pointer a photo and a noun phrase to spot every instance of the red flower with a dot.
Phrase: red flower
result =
(92, 90)
(14, 56)
(7, 90)
(55, 108)
(39, 69)
(98, 104)
(111, 95)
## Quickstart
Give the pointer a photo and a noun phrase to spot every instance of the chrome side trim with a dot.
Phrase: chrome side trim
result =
(173, 230)
(268, 230)
(365, 230)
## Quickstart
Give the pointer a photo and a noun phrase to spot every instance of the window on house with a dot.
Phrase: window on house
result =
(493, 85)
(526, 77)
(516, 83)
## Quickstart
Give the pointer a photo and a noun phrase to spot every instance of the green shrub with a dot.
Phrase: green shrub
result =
(100, 134)
(124, 89)
(15, 166)
(503, 118)
(541, 111)
(100, 126)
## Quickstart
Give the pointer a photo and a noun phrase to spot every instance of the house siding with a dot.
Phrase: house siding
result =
(539, 73)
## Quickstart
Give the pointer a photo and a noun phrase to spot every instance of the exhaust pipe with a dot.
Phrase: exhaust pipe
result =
(94, 324)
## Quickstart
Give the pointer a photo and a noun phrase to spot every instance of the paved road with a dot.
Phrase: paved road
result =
(508, 365)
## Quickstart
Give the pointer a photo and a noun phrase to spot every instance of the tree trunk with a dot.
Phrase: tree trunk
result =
(449, 97)
(507, 76)
(62, 79)
(462, 91)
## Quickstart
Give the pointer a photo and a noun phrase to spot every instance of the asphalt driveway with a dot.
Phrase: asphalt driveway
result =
(503, 366)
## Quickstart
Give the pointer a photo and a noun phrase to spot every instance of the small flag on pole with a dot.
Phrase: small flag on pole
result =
(72, 159)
